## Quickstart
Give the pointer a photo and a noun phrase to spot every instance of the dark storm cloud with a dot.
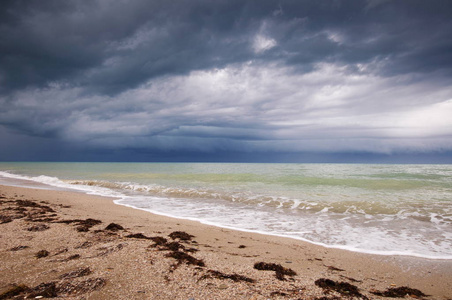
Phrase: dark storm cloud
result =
(225, 76)
(110, 47)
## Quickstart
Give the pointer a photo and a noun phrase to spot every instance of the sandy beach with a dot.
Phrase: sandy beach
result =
(75, 246)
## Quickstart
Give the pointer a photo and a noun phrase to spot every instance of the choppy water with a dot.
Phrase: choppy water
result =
(382, 209)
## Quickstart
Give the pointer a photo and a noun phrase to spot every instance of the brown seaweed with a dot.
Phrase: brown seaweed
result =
(53, 289)
(333, 268)
(14, 291)
(42, 253)
(138, 236)
(83, 225)
(5, 219)
(17, 248)
(174, 246)
(183, 257)
(47, 290)
(280, 271)
(234, 277)
(32, 204)
(343, 288)
(72, 257)
(76, 273)
(181, 235)
(158, 240)
(399, 292)
(114, 227)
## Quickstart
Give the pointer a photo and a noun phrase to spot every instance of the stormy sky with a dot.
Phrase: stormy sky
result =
(198, 80)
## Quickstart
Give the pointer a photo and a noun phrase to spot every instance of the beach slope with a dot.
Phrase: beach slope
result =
(76, 246)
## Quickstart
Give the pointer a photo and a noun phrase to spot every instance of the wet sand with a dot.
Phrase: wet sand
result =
(63, 245)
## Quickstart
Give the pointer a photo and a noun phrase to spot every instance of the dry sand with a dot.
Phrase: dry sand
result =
(84, 260)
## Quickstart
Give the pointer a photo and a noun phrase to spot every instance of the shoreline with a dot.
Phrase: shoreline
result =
(336, 247)
(223, 250)
(407, 233)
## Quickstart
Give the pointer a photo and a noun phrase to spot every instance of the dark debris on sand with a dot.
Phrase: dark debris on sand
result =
(177, 250)
(5, 219)
(76, 273)
(234, 277)
(68, 284)
(343, 288)
(14, 291)
(138, 236)
(159, 241)
(399, 292)
(72, 257)
(17, 248)
(42, 253)
(181, 235)
(183, 257)
(32, 204)
(53, 289)
(18, 209)
(163, 245)
(82, 225)
(114, 227)
(280, 271)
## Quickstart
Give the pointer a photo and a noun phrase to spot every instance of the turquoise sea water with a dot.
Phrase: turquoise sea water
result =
(382, 209)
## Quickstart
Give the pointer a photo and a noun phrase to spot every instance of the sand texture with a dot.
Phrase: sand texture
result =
(56, 244)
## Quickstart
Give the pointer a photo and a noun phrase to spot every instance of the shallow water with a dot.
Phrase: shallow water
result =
(382, 209)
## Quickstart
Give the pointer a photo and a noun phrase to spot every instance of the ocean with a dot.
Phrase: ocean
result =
(370, 208)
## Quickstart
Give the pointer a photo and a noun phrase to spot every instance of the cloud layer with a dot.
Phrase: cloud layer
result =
(226, 76)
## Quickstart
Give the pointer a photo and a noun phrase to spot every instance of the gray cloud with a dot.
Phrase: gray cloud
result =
(249, 76)
(112, 47)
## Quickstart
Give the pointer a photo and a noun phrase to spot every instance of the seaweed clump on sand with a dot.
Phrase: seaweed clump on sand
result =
(138, 236)
(234, 277)
(32, 204)
(5, 219)
(114, 227)
(399, 292)
(14, 291)
(183, 257)
(77, 273)
(47, 290)
(18, 209)
(280, 271)
(17, 248)
(181, 235)
(159, 241)
(163, 245)
(85, 225)
(82, 225)
(343, 288)
(53, 289)
(72, 257)
(42, 253)
(174, 246)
